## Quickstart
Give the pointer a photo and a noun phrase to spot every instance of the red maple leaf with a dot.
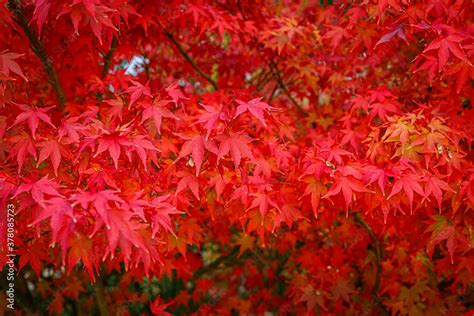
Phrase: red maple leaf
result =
(445, 46)
(100, 200)
(236, 144)
(210, 118)
(136, 91)
(55, 208)
(347, 181)
(188, 180)
(50, 148)
(409, 182)
(38, 189)
(33, 116)
(256, 107)
(161, 215)
(196, 145)
(159, 309)
(156, 111)
(23, 145)
(398, 30)
(7, 65)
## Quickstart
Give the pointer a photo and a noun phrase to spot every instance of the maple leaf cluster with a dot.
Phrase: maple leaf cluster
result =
(210, 157)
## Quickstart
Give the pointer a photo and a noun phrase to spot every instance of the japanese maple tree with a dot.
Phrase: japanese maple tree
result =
(238, 157)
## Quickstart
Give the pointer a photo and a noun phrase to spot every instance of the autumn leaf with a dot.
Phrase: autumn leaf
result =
(315, 189)
(263, 201)
(82, 248)
(38, 189)
(210, 118)
(435, 186)
(8, 64)
(335, 35)
(142, 146)
(41, 13)
(236, 144)
(175, 93)
(188, 180)
(196, 145)
(348, 182)
(101, 201)
(256, 107)
(50, 148)
(55, 208)
(312, 298)
(442, 230)
(245, 242)
(445, 46)
(33, 116)
(71, 127)
(74, 288)
(161, 215)
(23, 145)
(409, 182)
(122, 230)
(136, 91)
(159, 309)
(398, 30)
(156, 111)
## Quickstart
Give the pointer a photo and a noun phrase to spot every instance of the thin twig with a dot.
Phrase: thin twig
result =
(189, 59)
(284, 88)
(38, 48)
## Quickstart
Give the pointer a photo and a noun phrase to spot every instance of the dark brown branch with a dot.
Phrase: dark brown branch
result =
(189, 60)
(282, 85)
(108, 57)
(38, 48)
(378, 262)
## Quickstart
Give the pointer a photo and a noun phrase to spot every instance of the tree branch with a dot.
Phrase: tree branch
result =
(38, 48)
(108, 57)
(378, 262)
(189, 60)
(282, 85)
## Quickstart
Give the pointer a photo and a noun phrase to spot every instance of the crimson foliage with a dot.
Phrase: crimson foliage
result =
(235, 157)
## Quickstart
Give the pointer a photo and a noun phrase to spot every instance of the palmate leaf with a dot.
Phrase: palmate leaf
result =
(8, 64)
(211, 178)
(156, 111)
(256, 107)
(236, 144)
(33, 116)
(38, 189)
(197, 146)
